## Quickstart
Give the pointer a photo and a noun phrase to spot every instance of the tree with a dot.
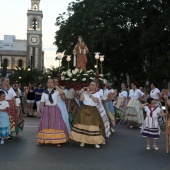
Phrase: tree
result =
(133, 35)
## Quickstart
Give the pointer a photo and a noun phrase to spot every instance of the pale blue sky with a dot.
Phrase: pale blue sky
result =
(13, 21)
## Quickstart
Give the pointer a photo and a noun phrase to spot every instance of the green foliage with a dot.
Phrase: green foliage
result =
(133, 35)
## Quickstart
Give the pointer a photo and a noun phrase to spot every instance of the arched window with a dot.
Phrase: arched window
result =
(6, 62)
(35, 7)
(34, 24)
(20, 63)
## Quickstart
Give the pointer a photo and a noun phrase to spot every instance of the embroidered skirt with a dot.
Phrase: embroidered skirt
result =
(13, 115)
(52, 128)
(104, 118)
(134, 112)
(4, 125)
(88, 126)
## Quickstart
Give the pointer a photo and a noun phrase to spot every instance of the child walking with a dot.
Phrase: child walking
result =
(4, 118)
(150, 127)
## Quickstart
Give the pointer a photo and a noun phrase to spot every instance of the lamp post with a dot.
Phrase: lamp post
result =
(101, 60)
(59, 57)
(68, 60)
(97, 58)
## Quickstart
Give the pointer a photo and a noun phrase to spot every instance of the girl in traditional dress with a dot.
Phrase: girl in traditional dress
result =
(52, 128)
(121, 103)
(150, 127)
(71, 103)
(107, 97)
(61, 104)
(156, 95)
(4, 118)
(103, 114)
(10, 97)
(134, 112)
(88, 127)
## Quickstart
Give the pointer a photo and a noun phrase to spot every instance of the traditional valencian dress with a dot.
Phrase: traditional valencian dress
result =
(150, 127)
(134, 112)
(103, 114)
(88, 125)
(4, 120)
(154, 94)
(71, 104)
(12, 112)
(52, 128)
(122, 109)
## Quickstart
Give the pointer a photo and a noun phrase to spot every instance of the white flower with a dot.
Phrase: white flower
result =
(84, 79)
(62, 77)
(78, 75)
(74, 79)
(91, 78)
(88, 71)
(69, 74)
(101, 75)
(76, 70)
(101, 79)
(81, 70)
(85, 74)
(73, 72)
(63, 73)
(67, 78)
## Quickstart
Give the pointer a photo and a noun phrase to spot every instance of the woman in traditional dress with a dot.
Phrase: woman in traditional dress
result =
(71, 103)
(10, 97)
(4, 118)
(103, 114)
(107, 97)
(150, 127)
(52, 128)
(61, 103)
(88, 127)
(121, 103)
(81, 50)
(156, 95)
(134, 112)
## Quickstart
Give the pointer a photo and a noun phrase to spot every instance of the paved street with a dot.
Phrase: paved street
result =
(125, 150)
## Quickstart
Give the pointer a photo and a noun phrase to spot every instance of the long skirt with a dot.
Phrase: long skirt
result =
(104, 118)
(150, 128)
(134, 112)
(121, 110)
(109, 113)
(4, 125)
(72, 107)
(65, 116)
(88, 126)
(52, 129)
(13, 116)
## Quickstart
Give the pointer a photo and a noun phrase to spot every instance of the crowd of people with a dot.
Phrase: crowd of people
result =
(87, 115)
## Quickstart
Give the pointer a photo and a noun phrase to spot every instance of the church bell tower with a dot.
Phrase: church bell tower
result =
(35, 55)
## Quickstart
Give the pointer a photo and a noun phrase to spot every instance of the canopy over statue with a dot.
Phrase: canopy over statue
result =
(80, 50)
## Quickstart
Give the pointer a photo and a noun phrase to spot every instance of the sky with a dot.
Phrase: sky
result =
(13, 21)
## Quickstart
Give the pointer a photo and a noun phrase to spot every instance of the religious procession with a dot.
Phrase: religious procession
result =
(86, 113)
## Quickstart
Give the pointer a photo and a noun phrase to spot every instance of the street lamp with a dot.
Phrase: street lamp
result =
(97, 58)
(101, 60)
(68, 60)
(59, 57)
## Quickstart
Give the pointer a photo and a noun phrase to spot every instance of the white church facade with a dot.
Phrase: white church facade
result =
(24, 53)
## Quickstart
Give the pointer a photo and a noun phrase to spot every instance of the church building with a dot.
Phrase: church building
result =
(24, 53)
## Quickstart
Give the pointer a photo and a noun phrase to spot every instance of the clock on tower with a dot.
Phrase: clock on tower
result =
(35, 58)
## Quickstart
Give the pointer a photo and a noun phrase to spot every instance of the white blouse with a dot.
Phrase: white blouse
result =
(105, 94)
(69, 93)
(154, 94)
(135, 94)
(123, 94)
(155, 112)
(88, 101)
(10, 94)
(4, 104)
(45, 98)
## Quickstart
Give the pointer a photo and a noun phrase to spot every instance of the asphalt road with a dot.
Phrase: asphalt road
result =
(124, 150)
